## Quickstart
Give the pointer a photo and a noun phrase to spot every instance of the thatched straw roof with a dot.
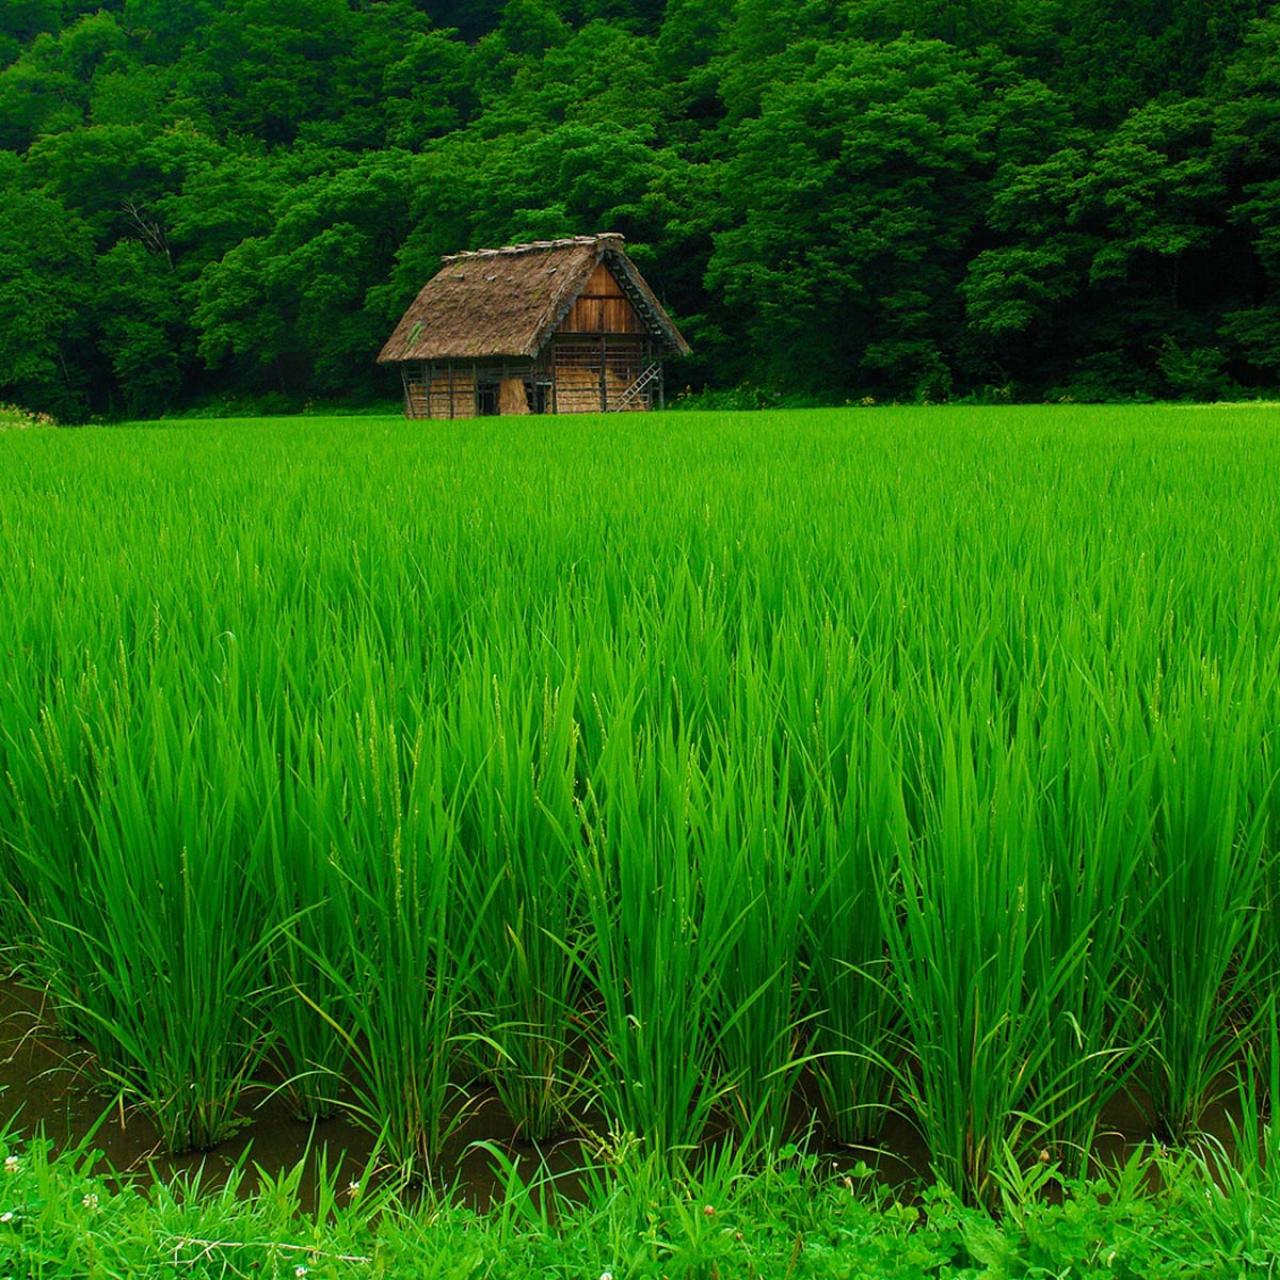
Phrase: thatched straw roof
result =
(508, 302)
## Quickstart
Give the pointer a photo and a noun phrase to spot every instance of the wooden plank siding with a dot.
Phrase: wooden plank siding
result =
(602, 307)
(599, 348)
(448, 388)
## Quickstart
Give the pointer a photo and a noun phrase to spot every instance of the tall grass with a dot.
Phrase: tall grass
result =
(304, 896)
(1201, 961)
(964, 939)
(1095, 814)
(667, 778)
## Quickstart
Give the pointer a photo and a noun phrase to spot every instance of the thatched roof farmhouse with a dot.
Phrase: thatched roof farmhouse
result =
(556, 326)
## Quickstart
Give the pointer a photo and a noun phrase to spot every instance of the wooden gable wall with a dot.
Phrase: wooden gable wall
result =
(602, 307)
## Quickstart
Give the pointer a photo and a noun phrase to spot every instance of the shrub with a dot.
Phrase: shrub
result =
(14, 417)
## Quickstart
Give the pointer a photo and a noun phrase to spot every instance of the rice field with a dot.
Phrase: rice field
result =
(665, 777)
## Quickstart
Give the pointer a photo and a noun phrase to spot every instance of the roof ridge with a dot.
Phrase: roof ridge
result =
(508, 250)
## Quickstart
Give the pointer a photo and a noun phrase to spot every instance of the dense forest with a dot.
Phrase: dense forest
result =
(226, 202)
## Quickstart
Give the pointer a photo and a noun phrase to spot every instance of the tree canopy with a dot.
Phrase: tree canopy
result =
(888, 198)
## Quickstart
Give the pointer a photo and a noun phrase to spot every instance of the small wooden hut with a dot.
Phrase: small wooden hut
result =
(557, 326)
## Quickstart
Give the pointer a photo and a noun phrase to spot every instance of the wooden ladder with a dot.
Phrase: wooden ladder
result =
(625, 400)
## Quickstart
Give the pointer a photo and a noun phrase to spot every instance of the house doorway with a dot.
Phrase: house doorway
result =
(486, 399)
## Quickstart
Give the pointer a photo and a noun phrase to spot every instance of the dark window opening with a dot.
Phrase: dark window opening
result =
(486, 399)
(539, 396)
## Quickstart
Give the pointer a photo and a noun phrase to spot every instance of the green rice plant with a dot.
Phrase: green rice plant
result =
(1239, 1178)
(977, 1018)
(1198, 954)
(408, 946)
(170, 999)
(660, 940)
(303, 901)
(1262, 798)
(519, 881)
(1094, 810)
(852, 824)
(750, 865)
(44, 813)
(934, 750)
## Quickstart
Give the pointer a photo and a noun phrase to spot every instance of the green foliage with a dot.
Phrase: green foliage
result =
(143, 330)
(889, 139)
(63, 1215)
(291, 306)
(903, 198)
(46, 259)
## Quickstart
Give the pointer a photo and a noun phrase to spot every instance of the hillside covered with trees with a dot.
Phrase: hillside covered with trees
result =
(227, 200)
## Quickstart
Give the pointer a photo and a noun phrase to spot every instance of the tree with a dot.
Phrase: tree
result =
(261, 68)
(1247, 138)
(893, 196)
(46, 264)
(1103, 252)
(145, 334)
(291, 307)
(21, 21)
(854, 194)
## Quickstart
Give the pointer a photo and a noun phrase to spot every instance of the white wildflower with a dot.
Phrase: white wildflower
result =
(11, 1164)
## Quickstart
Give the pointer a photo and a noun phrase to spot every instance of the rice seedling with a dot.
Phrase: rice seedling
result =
(303, 900)
(852, 824)
(1095, 819)
(750, 864)
(1199, 955)
(45, 817)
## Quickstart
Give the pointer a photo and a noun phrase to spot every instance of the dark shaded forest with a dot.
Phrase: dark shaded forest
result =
(230, 202)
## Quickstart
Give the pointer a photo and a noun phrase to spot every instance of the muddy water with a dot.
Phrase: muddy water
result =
(48, 1084)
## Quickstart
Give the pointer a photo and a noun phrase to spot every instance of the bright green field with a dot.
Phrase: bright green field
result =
(668, 775)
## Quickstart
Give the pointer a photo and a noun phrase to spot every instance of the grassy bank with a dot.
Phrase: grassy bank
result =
(60, 1218)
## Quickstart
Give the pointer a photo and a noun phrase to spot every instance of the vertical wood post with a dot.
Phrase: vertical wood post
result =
(604, 386)
(451, 388)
